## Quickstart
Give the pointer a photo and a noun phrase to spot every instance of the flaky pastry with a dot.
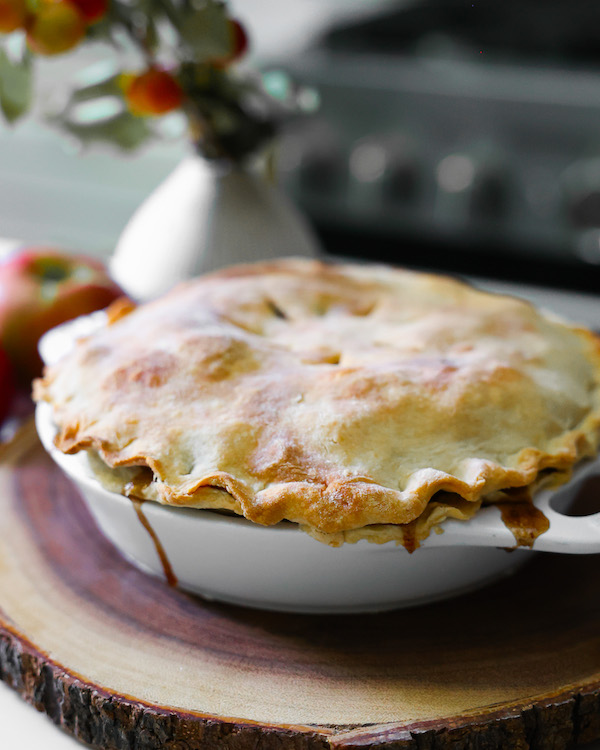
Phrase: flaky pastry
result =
(356, 401)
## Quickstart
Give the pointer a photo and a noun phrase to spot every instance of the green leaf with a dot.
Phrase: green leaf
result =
(101, 79)
(16, 84)
(119, 127)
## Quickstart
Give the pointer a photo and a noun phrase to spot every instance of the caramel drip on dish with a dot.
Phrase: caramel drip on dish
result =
(160, 550)
(409, 537)
(141, 481)
(523, 519)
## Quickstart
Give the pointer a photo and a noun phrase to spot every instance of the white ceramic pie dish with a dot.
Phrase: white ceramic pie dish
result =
(282, 568)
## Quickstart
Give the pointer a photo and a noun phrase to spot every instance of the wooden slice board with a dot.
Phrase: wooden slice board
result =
(121, 660)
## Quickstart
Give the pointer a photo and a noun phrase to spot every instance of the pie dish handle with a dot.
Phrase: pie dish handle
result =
(572, 534)
(579, 534)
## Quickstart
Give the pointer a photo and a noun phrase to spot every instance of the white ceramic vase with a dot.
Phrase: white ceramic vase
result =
(206, 216)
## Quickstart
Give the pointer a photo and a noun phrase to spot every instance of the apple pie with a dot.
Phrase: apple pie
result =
(357, 401)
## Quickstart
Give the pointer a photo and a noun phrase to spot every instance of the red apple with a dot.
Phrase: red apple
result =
(40, 288)
(7, 385)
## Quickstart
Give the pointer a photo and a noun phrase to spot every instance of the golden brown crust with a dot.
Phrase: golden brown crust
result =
(337, 397)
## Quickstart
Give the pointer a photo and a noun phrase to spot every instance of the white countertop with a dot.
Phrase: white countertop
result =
(23, 728)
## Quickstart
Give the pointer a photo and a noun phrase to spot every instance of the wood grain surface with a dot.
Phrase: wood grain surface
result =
(121, 660)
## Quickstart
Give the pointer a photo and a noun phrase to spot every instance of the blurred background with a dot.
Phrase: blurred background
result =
(463, 136)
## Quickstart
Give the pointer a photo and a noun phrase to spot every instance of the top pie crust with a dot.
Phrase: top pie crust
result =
(339, 397)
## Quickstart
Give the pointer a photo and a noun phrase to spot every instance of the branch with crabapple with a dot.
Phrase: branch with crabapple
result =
(187, 54)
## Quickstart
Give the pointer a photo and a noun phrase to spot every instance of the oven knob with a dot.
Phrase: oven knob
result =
(584, 208)
(581, 184)
(389, 163)
(489, 195)
(479, 186)
(321, 163)
(310, 157)
(587, 246)
(401, 181)
(321, 169)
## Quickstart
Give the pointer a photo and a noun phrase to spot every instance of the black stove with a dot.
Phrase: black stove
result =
(457, 134)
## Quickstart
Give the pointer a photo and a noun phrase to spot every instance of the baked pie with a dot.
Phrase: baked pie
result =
(356, 401)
